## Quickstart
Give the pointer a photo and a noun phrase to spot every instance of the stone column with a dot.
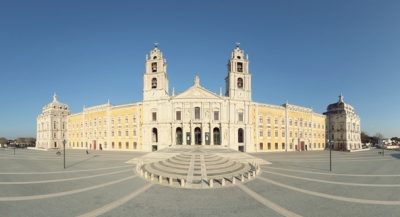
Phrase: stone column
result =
(203, 134)
(211, 135)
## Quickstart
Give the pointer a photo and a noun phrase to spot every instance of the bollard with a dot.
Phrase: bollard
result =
(152, 177)
(160, 179)
(141, 172)
(254, 173)
(211, 183)
(145, 175)
(182, 183)
(223, 182)
(170, 180)
(242, 178)
(233, 180)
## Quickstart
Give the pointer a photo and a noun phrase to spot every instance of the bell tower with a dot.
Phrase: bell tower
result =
(238, 81)
(155, 81)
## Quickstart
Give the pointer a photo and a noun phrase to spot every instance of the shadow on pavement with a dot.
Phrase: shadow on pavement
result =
(84, 160)
(395, 155)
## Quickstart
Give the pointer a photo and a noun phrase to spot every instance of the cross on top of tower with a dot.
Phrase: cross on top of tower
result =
(237, 44)
(155, 44)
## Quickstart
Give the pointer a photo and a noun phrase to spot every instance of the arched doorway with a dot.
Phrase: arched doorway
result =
(216, 136)
(154, 135)
(197, 136)
(179, 136)
(240, 135)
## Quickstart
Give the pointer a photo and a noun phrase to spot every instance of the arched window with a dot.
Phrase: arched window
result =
(179, 136)
(154, 83)
(240, 83)
(197, 136)
(240, 67)
(154, 136)
(154, 67)
(240, 135)
(216, 136)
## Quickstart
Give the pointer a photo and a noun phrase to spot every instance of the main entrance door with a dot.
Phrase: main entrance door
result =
(302, 146)
(197, 136)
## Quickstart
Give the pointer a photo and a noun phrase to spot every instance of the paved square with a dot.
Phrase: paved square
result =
(34, 183)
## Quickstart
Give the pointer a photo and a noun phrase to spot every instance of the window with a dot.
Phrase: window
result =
(112, 145)
(260, 119)
(119, 133)
(276, 146)
(126, 133)
(178, 115)
(283, 146)
(261, 146)
(154, 67)
(119, 145)
(240, 83)
(154, 136)
(154, 83)
(240, 117)
(134, 132)
(283, 134)
(197, 113)
(276, 133)
(268, 120)
(276, 121)
(290, 122)
(269, 133)
(127, 145)
(240, 135)
(269, 146)
(216, 115)
(154, 116)
(240, 67)
(261, 133)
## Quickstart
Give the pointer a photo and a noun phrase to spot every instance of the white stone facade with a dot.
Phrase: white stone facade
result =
(344, 129)
(52, 125)
(196, 116)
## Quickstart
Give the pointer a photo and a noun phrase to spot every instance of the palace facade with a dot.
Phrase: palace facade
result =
(196, 116)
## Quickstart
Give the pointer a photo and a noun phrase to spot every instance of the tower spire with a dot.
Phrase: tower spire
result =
(54, 97)
(341, 98)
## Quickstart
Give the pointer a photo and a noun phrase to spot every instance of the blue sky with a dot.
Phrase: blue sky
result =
(306, 52)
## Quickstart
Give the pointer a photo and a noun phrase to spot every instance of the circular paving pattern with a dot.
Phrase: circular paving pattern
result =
(198, 168)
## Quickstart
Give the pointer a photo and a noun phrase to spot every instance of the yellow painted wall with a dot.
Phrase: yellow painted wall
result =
(111, 127)
(303, 127)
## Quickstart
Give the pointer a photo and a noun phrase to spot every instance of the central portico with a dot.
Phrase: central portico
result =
(196, 116)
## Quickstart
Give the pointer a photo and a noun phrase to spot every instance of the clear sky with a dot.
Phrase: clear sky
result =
(306, 52)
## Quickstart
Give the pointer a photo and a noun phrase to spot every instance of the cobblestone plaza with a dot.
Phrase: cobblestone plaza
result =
(34, 183)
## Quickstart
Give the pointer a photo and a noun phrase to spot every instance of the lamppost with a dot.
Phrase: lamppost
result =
(330, 155)
(64, 151)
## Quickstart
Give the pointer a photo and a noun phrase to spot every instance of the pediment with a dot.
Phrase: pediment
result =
(197, 92)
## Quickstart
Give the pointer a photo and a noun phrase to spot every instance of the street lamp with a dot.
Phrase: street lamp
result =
(64, 151)
(330, 155)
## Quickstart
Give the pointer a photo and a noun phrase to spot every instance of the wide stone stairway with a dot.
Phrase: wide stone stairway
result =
(198, 167)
